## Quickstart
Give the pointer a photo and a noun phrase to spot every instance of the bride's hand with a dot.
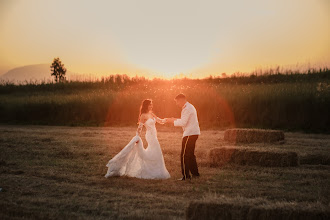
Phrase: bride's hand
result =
(170, 120)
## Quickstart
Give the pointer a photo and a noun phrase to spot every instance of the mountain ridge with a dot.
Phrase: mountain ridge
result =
(40, 72)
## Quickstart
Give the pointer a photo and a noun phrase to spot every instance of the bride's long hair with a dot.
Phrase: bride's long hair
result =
(144, 107)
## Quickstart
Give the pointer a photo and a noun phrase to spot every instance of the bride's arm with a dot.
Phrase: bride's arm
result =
(159, 120)
(139, 129)
(140, 126)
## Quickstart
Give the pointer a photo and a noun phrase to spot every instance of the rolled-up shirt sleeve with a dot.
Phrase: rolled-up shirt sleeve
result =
(184, 118)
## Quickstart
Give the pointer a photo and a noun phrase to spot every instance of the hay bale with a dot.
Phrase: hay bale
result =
(240, 135)
(286, 213)
(233, 155)
(242, 208)
(198, 210)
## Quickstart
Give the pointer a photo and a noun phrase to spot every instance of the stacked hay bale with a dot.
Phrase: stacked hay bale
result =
(233, 155)
(255, 209)
(240, 135)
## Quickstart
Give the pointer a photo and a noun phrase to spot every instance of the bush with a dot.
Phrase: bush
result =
(295, 102)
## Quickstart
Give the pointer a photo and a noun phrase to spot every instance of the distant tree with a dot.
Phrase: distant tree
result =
(58, 70)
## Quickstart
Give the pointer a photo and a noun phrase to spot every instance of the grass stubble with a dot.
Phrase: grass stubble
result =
(58, 172)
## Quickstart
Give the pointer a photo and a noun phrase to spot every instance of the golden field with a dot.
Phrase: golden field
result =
(54, 172)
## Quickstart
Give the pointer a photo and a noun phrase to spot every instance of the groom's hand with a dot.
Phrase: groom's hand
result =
(170, 120)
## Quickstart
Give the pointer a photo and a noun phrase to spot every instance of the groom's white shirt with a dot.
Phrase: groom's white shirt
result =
(188, 120)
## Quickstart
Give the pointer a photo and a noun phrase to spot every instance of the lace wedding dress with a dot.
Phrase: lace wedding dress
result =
(136, 161)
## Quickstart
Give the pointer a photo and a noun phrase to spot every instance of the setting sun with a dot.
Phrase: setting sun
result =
(165, 38)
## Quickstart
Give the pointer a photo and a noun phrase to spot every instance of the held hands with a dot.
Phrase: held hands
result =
(170, 120)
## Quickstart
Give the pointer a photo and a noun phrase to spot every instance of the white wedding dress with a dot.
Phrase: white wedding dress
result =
(136, 161)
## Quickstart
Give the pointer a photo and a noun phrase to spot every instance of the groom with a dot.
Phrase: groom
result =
(191, 130)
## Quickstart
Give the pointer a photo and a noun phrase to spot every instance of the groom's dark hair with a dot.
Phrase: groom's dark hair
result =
(180, 96)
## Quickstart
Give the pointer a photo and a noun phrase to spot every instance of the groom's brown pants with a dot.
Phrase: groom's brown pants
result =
(188, 158)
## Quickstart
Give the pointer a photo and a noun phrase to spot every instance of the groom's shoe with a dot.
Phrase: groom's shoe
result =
(195, 176)
(183, 179)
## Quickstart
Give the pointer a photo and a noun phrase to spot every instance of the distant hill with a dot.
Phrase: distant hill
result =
(4, 69)
(40, 72)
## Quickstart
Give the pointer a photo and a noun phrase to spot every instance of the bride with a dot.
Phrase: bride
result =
(136, 161)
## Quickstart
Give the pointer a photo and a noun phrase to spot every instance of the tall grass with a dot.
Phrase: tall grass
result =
(277, 101)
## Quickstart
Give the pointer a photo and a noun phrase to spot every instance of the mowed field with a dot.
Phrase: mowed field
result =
(58, 173)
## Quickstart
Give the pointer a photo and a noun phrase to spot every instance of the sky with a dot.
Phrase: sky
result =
(165, 38)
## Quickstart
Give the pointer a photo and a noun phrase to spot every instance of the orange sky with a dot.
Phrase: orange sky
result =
(165, 38)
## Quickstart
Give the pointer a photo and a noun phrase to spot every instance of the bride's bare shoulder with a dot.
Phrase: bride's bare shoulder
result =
(143, 117)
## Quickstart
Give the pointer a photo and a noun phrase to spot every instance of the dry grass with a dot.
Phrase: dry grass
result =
(58, 173)
(221, 156)
(219, 103)
(241, 208)
(240, 135)
(315, 159)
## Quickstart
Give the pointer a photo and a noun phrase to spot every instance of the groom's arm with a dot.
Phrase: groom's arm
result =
(181, 122)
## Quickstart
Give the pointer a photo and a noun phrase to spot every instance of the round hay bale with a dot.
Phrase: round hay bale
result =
(240, 135)
(221, 156)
